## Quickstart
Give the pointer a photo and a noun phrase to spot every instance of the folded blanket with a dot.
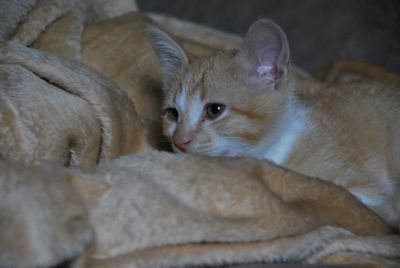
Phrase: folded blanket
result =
(158, 209)
(34, 16)
(59, 111)
(12, 12)
(43, 220)
(173, 210)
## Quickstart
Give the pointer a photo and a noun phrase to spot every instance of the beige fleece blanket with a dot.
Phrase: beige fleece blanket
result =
(156, 209)
(152, 208)
(63, 112)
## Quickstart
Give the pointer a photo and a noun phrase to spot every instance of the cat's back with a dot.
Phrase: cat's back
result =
(367, 111)
(370, 106)
(356, 128)
(354, 140)
(360, 98)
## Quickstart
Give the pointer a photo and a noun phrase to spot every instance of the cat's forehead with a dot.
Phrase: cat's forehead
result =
(196, 74)
(204, 77)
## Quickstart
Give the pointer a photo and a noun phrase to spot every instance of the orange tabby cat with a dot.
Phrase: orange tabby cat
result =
(249, 104)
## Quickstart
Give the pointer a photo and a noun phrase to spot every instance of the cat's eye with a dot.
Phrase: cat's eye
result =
(214, 110)
(172, 114)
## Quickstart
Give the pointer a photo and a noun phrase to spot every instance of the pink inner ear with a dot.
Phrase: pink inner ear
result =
(267, 71)
(264, 70)
(270, 74)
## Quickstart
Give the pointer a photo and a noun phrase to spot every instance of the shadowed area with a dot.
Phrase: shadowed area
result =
(319, 31)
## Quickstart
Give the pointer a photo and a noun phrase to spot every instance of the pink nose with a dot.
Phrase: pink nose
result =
(181, 144)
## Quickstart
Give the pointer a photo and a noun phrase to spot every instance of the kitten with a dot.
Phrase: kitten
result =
(249, 104)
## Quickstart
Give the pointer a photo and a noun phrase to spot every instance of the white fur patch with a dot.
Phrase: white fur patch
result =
(195, 110)
(190, 107)
(280, 150)
(369, 199)
(379, 191)
(278, 146)
(181, 100)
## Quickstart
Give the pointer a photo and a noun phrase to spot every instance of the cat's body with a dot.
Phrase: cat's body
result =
(347, 134)
(248, 104)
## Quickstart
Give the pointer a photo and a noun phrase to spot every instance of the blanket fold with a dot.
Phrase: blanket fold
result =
(43, 219)
(62, 95)
(149, 210)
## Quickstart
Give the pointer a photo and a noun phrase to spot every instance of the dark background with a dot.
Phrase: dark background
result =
(319, 31)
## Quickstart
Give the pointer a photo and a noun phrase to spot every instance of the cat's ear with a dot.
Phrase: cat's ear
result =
(170, 55)
(264, 55)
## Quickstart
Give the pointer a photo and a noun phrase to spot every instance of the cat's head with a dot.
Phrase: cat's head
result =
(225, 104)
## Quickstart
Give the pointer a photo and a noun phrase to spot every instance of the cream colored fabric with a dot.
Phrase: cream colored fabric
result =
(43, 220)
(12, 12)
(157, 209)
(149, 209)
(171, 210)
(43, 13)
(59, 111)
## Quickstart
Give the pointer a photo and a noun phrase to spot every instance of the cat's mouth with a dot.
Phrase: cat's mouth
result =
(177, 150)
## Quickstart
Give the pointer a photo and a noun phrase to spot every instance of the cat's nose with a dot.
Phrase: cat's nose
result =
(182, 144)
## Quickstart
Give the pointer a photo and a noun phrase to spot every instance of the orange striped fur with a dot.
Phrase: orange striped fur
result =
(346, 133)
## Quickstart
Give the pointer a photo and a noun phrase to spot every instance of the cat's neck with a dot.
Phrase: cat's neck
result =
(277, 145)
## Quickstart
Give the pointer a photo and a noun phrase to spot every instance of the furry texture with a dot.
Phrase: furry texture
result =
(152, 209)
(321, 130)
(148, 211)
(45, 13)
(48, 11)
(63, 37)
(71, 95)
(106, 9)
(43, 220)
(12, 12)
(134, 64)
